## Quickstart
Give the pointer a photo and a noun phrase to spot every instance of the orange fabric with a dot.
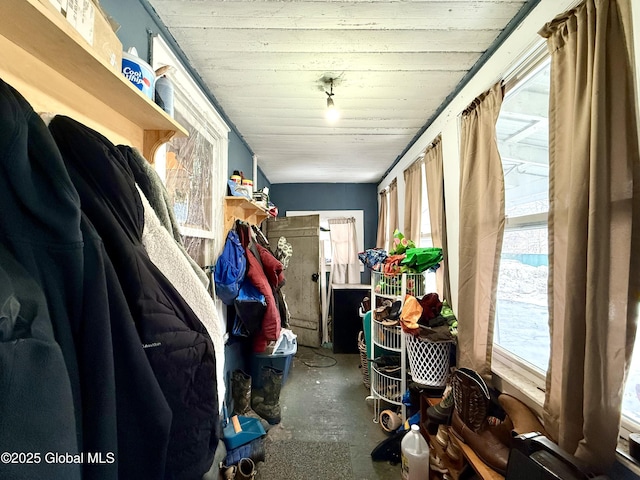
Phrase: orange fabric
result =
(411, 312)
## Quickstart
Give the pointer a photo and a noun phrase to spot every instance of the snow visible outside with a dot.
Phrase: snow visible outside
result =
(522, 318)
(522, 325)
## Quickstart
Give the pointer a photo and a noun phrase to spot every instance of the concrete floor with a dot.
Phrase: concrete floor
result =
(323, 403)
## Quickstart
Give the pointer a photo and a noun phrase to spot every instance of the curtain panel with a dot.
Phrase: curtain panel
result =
(393, 212)
(345, 266)
(413, 201)
(593, 227)
(434, 177)
(482, 223)
(382, 220)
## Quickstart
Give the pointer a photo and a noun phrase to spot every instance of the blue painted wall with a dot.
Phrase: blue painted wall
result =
(331, 196)
(138, 22)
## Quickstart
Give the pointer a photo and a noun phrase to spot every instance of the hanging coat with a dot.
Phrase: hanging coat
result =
(40, 225)
(175, 341)
(165, 254)
(270, 329)
(150, 183)
(36, 406)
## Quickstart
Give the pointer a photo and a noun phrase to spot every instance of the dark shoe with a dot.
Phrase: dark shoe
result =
(241, 392)
(386, 361)
(441, 412)
(485, 442)
(394, 311)
(269, 406)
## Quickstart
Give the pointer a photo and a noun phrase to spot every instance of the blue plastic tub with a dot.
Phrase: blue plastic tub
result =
(281, 361)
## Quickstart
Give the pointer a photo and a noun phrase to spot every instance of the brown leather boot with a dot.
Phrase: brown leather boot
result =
(523, 419)
(486, 442)
(470, 397)
(469, 423)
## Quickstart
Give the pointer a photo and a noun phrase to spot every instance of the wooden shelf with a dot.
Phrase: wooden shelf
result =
(58, 71)
(241, 208)
(481, 468)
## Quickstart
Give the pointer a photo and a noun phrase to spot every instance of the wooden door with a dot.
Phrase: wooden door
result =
(302, 287)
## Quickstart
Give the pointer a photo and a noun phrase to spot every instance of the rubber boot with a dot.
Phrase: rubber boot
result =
(269, 406)
(241, 392)
(246, 469)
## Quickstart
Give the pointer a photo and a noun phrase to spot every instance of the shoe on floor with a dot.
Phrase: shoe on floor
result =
(436, 464)
(442, 437)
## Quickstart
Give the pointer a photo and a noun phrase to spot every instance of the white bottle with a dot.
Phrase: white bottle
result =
(415, 455)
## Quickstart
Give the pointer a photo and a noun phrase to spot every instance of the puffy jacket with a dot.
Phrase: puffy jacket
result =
(175, 341)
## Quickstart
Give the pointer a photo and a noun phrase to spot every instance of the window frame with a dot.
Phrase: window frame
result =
(197, 108)
(507, 366)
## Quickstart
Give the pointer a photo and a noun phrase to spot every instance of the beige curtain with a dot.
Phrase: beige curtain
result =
(413, 201)
(393, 211)
(434, 177)
(382, 220)
(345, 267)
(481, 230)
(593, 228)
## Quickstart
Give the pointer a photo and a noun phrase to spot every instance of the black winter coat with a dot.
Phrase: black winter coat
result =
(119, 406)
(176, 343)
(36, 393)
(40, 225)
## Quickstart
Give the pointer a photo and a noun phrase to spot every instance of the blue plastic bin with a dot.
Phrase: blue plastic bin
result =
(281, 361)
(251, 429)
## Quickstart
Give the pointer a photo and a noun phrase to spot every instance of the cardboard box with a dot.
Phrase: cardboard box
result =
(106, 42)
(89, 20)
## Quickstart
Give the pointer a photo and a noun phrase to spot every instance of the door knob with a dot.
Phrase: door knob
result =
(315, 277)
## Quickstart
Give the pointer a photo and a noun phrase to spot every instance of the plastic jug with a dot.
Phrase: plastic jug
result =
(164, 90)
(415, 455)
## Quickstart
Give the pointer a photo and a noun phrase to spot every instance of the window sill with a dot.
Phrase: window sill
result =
(512, 381)
(510, 377)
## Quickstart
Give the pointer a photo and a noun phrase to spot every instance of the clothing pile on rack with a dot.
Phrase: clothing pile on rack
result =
(260, 307)
(111, 349)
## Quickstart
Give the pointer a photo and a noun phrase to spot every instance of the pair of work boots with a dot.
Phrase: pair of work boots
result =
(244, 470)
(264, 401)
(465, 406)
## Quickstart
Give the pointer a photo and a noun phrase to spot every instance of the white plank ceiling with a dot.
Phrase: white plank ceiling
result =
(394, 63)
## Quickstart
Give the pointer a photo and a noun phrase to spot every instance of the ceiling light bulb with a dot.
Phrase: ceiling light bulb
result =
(332, 114)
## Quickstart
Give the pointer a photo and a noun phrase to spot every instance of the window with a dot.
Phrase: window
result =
(425, 220)
(192, 167)
(521, 330)
(426, 240)
(631, 396)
